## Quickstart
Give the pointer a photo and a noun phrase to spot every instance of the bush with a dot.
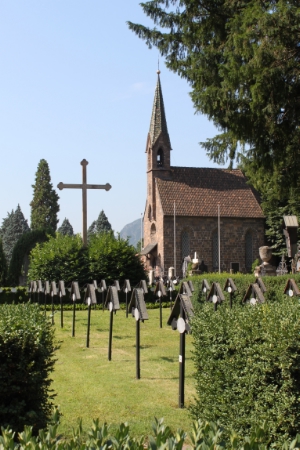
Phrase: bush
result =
(26, 360)
(64, 258)
(247, 364)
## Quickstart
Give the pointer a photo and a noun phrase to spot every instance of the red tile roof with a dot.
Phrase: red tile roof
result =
(197, 191)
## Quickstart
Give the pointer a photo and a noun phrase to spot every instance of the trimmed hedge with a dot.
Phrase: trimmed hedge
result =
(247, 362)
(26, 361)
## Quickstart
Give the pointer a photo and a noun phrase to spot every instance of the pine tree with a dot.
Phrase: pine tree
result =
(3, 265)
(13, 227)
(100, 225)
(44, 205)
(66, 228)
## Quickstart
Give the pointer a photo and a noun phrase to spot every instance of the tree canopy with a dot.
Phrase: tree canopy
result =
(44, 205)
(13, 227)
(66, 228)
(100, 225)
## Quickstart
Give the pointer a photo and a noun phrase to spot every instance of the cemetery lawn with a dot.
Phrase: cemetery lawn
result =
(89, 386)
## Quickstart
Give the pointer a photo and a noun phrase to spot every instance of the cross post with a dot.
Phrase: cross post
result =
(84, 186)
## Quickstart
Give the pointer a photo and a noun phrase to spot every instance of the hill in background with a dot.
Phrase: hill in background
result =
(132, 231)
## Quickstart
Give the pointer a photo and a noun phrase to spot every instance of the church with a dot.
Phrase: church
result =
(184, 205)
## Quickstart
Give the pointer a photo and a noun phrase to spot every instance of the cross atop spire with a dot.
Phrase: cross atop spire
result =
(158, 122)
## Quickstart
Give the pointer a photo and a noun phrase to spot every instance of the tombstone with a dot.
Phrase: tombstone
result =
(185, 289)
(46, 292)
(254, 294)
(89, 299)
(205, 288)
(151, 276)
(143, 285)
(32, 289)
(126, 289)
(139, 311)
(74, 295)
(171, 288)
(261, 284)
(191, 286)
(231, 288)
(179, 320)
(291, 289)
(160, 292)
(113, 304)
(216, 295)
(39, 289)
(290, 234)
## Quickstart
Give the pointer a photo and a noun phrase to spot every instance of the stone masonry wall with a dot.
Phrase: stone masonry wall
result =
(201, 229)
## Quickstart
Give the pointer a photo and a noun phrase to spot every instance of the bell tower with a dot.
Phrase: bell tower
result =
(158, 149)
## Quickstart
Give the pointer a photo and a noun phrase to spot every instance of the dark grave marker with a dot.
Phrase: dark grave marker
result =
(231, 288)
(139, 312)
(113, 305)
(291, 288)
(254, 295)
(53, 292)
(191, 286)
(261, 284)
(39, 289)
(61, 293)
(205, 288)
(160, 291)
(216, 295)
(46, 292)
(126, 289)
(74, 295)
(90, 299)
(117, 285)
(143, 285)
(185, 289)
(179, 320)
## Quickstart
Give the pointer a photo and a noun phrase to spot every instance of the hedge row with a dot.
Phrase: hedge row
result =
(26, 361)
(203, 436)
(247, 360)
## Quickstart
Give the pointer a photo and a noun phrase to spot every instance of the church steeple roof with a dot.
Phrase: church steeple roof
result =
(158, 122)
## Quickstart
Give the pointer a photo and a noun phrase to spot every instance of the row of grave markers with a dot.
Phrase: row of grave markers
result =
(254, 294)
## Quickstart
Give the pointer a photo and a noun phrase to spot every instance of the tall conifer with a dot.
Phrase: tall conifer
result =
(13, 227)
(66, 228)
(44, 205)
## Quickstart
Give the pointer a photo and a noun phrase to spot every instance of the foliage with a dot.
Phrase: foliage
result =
(99, 226)
(26, 361)
(204, 436)
(60, 258)
(241, 59)
(44, 205)
(64, 258)
(22, 249)
(247, 362)
(138, 246)
(66, 228)
(13, 227)
(3, 265)
(114, 259)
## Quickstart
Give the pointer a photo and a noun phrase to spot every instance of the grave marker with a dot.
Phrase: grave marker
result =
(254, 294)
(53, 292)
(126, 289)
(216, 295)
(291, 288)
(74, 295)
(61, 293)
(231, 288)
(113, 305)
(205, 288)
(89, 299)
(160, 291)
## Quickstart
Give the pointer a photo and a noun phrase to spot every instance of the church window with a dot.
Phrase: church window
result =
(249, 251)
(185, 244)
(160, 158)
(153, 232)
(215, 251)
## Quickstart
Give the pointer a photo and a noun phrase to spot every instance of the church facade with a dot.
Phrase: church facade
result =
(181, 213)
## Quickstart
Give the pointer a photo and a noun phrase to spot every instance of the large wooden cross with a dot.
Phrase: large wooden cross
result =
(84, 186)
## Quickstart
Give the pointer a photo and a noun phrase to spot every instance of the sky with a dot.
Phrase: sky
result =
(76, 83)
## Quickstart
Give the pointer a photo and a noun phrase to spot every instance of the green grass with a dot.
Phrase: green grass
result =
(89, 386)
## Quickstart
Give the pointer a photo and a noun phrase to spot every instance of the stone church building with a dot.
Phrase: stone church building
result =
(182, 202)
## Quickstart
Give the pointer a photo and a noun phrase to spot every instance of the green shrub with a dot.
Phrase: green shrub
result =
(247, 364)
(26, 360)
(106, 257)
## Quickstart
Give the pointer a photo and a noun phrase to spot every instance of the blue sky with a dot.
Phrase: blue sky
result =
(76, 83)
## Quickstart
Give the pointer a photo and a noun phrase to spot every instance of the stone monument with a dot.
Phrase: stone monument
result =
(265, 268)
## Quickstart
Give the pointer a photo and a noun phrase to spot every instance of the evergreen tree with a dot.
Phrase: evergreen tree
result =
(241, 59)
(13, 227)
(3, 265)
(66, 228)
(99, 226)
(44, 205)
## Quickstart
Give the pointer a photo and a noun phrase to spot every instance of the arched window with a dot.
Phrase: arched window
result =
(215, 251)
(248, 251)
(160, 158)
(185, 244)
(153, 232)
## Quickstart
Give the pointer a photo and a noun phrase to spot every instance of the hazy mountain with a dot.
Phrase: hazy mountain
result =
(132, 231)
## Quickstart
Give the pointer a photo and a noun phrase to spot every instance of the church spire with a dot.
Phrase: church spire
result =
(158, 124)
